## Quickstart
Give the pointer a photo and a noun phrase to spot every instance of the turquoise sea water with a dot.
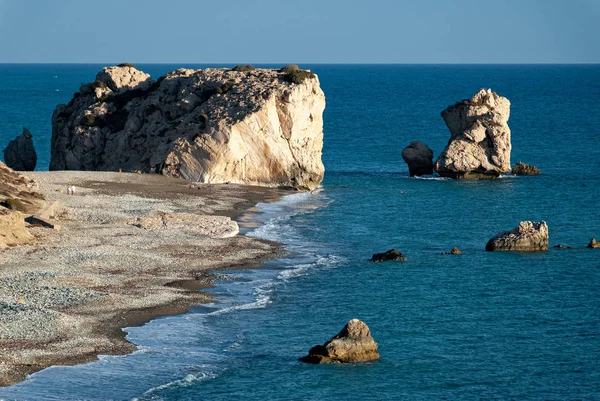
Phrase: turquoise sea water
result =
(479, 326)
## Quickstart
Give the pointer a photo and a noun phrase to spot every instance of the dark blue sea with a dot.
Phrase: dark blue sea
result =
(479, 326)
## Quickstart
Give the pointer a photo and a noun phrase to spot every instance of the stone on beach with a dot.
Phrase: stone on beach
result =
(12, 228)
(20, 153)
(479, 145)
(351, 345)
(419, 158)
(18, 192)
(391, 255)
(211, 126)
(528, 237)
(525, 169)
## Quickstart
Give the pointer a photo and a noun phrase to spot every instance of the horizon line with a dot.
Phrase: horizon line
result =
(281, 63)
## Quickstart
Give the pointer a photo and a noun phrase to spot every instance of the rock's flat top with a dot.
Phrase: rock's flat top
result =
(214, 125)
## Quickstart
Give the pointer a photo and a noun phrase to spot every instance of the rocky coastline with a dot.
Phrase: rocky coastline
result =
(65, 295)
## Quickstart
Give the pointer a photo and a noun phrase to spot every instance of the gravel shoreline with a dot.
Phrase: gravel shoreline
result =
(65, 297)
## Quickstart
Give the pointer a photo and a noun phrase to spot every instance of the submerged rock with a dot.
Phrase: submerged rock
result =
(593, 243)
(525, 169)
(248, 126)
(353, 344)
(561, 246)
(453, 251)
(419, 158)
(479, 145)
(20, 153)
(529, 237)
(391, 255)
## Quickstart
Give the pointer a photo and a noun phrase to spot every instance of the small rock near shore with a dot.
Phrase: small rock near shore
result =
(20, 153)
(419, 158)
(525, 169)
(453, 251)
(391, 255)
(528, 237)
(593, 243)
(351, 345)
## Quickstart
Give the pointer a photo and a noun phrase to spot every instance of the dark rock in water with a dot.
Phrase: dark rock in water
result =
(20, 153)
(479, 145)
(419, 158)
(525, 169)
(593, 243)
(392, 254)
(353, 344)
(561, 246)
(453, 251)
(528, 237)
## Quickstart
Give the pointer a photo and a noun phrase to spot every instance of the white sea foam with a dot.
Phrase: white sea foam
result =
(185, 382)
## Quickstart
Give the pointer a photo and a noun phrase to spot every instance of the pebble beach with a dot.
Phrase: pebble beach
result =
(110, 263)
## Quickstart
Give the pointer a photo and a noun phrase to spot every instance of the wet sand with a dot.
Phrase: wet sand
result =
(65, 298)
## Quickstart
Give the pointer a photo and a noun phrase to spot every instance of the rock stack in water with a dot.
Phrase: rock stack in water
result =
(20, 153)
(353, 344)
(528, 237)
(252, 126)
(525, 169)
(479, 145)
(419, 158)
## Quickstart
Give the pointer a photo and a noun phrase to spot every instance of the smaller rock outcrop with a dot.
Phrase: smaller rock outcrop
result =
(479, 145)
(528, 237)
(351, 345)
(525, 169)
(18, 192)
(593, 243)
(20, 153)
(453, 251)
(419, 158)
(391, 255)
(12, 228)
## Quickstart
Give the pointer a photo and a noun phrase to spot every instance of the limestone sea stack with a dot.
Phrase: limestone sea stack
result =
(419, 158)
(528, 237)
(247, 126)
(20, 153)
(353, 344)
(479, 145)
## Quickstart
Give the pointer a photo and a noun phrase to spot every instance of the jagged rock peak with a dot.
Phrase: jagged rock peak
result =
(257, 126)
(479, 145)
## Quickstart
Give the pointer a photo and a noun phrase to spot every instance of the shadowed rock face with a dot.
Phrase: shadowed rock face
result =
(353, 344)
(20, 153)
(479, 145)
(528, 237)
(419, 158)
(212, 126)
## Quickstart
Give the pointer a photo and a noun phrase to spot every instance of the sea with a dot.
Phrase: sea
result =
(476, 326)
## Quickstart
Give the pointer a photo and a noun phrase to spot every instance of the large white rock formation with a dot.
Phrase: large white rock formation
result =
(255, 126)
(479, 145)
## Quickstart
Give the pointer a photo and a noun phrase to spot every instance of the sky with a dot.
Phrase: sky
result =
(300, 31)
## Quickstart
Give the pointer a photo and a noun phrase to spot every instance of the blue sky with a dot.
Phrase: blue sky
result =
(300, 31)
